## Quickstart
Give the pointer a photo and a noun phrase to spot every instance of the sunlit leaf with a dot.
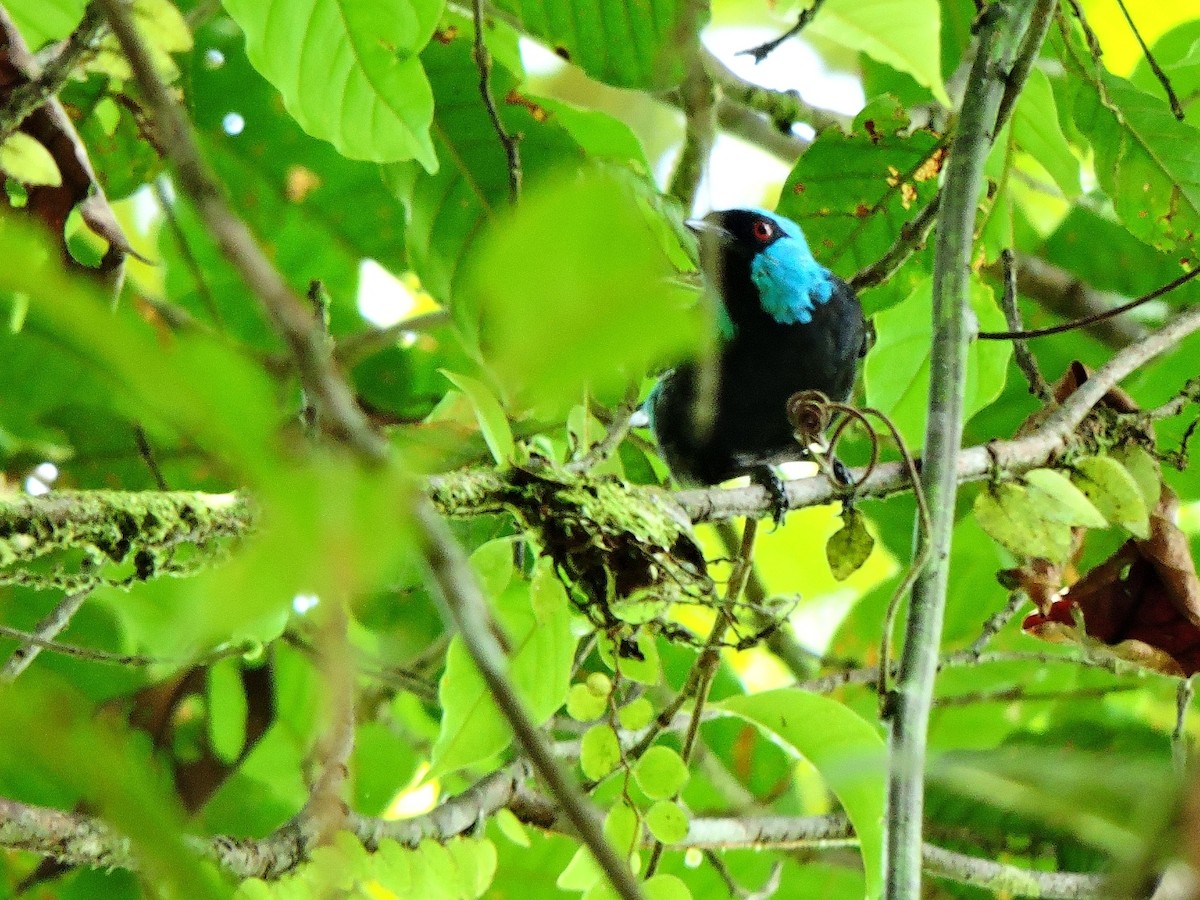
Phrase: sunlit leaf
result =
(845, 749)
(349, 73)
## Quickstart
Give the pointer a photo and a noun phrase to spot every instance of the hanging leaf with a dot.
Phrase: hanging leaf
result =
(1113, 491)
(850, 546)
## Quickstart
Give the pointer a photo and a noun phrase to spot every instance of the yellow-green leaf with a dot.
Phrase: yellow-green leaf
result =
(1056, 499)
(1006, 512)
(1114, 492)
(25, 160)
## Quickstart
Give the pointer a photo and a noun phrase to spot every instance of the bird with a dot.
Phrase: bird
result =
(786, 324)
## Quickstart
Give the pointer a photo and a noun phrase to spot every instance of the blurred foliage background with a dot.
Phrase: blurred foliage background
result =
(353, 140)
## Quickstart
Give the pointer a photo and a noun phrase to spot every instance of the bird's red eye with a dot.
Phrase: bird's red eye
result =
(762, 230)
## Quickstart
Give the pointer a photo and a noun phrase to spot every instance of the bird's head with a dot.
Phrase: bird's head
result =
(760, 262)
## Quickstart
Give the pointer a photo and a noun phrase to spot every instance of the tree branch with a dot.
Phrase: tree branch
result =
(77, 839)
(784, 108)
(27, 97)
(289, 314)
(466, 610)
(698, 100)
(997, 63)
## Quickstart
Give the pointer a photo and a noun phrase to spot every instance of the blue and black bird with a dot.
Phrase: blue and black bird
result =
(787, 324)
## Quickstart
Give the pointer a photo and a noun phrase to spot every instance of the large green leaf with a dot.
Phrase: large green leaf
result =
(853, 193)
(540, 652)
(1146, 161)
(1036, 130)
(904, 34)
(45, 20)
(349, 72)
(586, 297)
(447, 211)
(316, 213)
(844, 748)
(897, 370)
(627, 43)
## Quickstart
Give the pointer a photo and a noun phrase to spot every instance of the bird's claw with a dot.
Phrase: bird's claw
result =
(770, 482)
(841, 474)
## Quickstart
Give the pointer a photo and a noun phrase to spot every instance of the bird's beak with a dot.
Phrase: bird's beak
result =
(707, 230)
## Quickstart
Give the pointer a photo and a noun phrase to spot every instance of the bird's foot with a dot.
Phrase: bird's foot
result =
(769, 480)
(841, 475)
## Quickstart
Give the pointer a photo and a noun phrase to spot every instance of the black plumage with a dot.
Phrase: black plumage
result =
(791, 326)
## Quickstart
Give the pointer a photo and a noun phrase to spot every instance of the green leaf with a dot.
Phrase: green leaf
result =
(661, 772)
(850, 546)
(1145, 471)
(1114, 492)
(25, 160)
(584, 705)
(570, 249)
(600, 752)
(475, 861)
(493, 423)
(904, 34)
(897, 368)
(667, 822)
(492, 563)
(541, 653)
(447, 211)
(349, 72)
(666, 887)
(394, 867)
(1145, 161)
(852, 193)
(1036, 130)
(620, 42)
(316, 213)
(1055, 498)
(643, 666)
(844, 748)
(622, 828)
(511, 827)
(226, 709)
(580, 873)
(636, 714)
(41, 21)
(1006, 512)
(98, 762)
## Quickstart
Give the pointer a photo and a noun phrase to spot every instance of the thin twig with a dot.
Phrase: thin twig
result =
(46, 630)
(288, 313)
(465, 609)
(27, 97)
(1012, 316)
(203, 291)
(146, 452)
(1181, 743)
(325, 808)
(911, 238)
(606, 446)
(1015, 334)
(762, 51)
(354, 348)
(699, 122)
(508, 142)
(710, 656)
(996, 621)
(1172, 98)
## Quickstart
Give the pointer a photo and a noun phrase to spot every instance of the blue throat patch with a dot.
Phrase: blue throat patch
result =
(790, 282)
